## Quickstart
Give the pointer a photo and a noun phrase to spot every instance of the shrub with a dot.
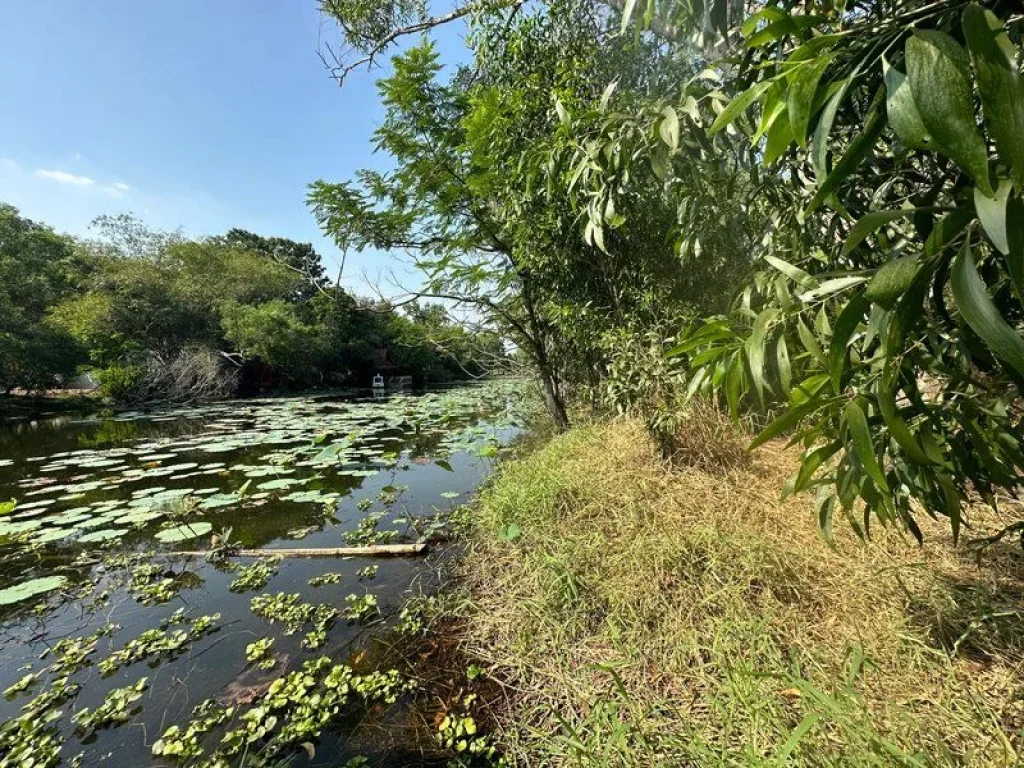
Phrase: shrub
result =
(123, 383)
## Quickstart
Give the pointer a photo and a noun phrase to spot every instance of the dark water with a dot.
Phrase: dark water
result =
(298, 472)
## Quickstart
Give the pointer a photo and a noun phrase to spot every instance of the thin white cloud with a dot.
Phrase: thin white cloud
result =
(77, 156)
(117, 189)
(63, 177)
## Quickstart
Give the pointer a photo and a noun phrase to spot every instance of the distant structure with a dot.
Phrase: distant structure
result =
(85, 382)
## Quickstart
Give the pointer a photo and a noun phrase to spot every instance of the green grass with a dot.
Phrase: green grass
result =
(647, 616)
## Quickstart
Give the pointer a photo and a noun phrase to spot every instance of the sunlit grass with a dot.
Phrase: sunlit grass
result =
(648, 616)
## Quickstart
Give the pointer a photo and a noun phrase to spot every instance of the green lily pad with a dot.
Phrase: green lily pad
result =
(48, 535)
(281, 482)
(13, 528)
(219, 500)
(104, 534)
(183, 532)
(139, 517)
(31, 588)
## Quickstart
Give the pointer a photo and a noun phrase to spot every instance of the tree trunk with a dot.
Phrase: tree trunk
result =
(548, 381)
(552, 397)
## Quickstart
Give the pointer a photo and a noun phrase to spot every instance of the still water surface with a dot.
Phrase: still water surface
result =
(104, 498)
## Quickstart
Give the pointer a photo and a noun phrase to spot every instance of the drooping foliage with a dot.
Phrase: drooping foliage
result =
(813, 211)
(465, 200)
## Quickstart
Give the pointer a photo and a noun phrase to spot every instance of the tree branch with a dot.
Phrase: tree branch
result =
(340, 72)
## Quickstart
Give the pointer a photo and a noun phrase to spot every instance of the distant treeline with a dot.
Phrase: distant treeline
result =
(155, 315)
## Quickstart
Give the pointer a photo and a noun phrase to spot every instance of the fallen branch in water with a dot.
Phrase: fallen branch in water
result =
(374, 550)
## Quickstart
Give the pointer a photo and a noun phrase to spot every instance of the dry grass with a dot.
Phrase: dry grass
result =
(697, 434)
(655, 617)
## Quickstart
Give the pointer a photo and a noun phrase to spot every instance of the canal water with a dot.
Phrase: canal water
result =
(116, 651)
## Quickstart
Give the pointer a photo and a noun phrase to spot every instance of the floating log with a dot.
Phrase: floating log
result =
(374, 550)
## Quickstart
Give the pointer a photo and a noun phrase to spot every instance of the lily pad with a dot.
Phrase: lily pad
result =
(31, 588)
(183, 532)
(13, 528)
(51, 534)
(104, 534)
(281, 482)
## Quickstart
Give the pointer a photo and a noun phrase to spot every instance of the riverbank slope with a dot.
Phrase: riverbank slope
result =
(641, 615)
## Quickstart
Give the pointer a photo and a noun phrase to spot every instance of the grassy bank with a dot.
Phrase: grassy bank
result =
(638, 615)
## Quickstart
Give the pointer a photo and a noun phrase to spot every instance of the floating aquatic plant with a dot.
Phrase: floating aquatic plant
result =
(255, 576)
(258, 653)
(183, 532)
(331, 577)
(117, 708)
(360, 608)
(26, 590)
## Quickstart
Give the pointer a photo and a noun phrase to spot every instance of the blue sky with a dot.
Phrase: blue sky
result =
(197, 114)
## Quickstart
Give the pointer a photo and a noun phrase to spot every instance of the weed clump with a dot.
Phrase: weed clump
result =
(699, 435)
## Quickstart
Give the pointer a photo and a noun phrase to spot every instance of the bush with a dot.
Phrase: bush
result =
(123, 383)
(193, 374)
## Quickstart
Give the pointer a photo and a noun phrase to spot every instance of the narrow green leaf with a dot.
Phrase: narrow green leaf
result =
(769, 14)
(1015, 243)
(794, 273)
(859, 148)
(810, 463)
(563, 115)
(807, 388)
(860, 435)
(898, 428)
(754, 347)
(810, 343)
(947, 229)
(980, 313)
(780, 136)
(739, 104)
(782, 360)
(772, 106)
(775, 30)
(734, 378)
(1000, 84)
(606, 96)
(992, 213)
(788, 420)
(940, 78)
(846, 324)
(803, 85)
(899, 105)
(829, 287)
(868, 223)
(953, 501)
(798, 733)
(825, 506)
(819, 147)
(627, 14)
